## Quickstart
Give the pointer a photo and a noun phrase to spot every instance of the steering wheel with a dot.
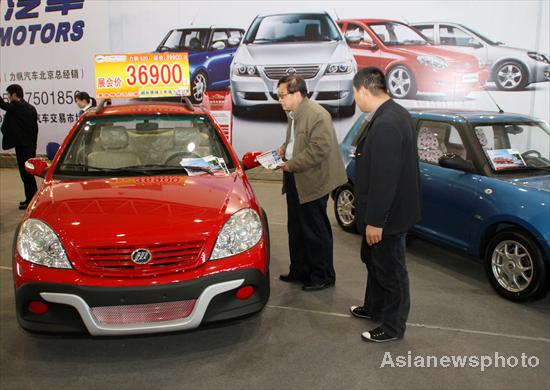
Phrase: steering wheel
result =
(178, 156)
(532, 151)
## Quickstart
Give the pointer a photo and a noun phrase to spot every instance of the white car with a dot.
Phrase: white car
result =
(308, 44)
(509, 67)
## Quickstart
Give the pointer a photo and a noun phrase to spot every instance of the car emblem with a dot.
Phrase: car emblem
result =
(290, 71)
(141, 256)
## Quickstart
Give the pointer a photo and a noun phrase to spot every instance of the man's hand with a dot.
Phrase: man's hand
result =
(373, 234)
(284, 167)
(280, 152)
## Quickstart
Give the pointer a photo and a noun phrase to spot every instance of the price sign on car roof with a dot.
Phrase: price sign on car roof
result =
(141, 75)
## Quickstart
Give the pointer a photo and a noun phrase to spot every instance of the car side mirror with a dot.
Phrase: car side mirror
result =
(453, 161)
(218, 45)
(249, 160)
(51, 149)
(37, 166)
(234, 41)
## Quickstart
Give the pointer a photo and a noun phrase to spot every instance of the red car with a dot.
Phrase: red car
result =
(145, 222)
(411, 64)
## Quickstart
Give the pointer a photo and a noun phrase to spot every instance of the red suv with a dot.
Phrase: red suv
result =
(411, 64)
(145, 222)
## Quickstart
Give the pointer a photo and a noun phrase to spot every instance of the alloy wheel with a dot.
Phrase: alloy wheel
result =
(512, 266)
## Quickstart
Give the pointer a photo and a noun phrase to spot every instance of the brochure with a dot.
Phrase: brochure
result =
(270, 160)
(505, 159)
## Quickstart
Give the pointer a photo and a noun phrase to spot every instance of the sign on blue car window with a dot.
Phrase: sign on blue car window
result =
(505, 159)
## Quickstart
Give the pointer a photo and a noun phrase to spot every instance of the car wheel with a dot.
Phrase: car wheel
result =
(510, 76)
(198, 87)
(514, 266)
(346, 111)
(344, 208)
(401, 83)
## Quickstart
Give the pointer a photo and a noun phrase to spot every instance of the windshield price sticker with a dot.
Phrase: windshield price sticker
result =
(142, 75)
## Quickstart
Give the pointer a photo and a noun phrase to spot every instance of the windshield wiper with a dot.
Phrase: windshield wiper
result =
(163, 168)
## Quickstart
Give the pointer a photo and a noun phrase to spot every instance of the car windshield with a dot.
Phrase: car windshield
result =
(185, 39)
(397, 34)
(141, 145)
(484, 38)
(292, 28)
(510, 146)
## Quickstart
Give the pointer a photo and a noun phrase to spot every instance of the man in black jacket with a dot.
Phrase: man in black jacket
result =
(20, 130)
(387, 204)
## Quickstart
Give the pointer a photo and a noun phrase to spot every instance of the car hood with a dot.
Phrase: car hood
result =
(293, 53)
(450, 56)
(140, 209)
(541, 183)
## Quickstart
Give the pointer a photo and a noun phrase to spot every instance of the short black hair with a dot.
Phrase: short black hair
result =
(294, 83)
(372, 79)
(15, 89)
(82, 96)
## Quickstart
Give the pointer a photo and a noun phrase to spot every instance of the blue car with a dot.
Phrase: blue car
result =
(485, 190)
(211, 51)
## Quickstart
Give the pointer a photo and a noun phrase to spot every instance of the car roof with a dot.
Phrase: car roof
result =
(370, 20)
(293, 13)
(205, 27)
(150, 108)
(476, 116)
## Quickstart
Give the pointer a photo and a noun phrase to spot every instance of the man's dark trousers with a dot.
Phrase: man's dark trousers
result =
(309, 237)
(387, 294)
(29, 182)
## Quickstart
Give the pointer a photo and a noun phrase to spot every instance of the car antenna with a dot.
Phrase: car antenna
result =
(194, 17)
(500, 110)
(336, 13)
(102, 104)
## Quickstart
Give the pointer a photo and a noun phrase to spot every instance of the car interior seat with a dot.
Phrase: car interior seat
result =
(312, 32)
(188, 142)
(194, 43)
(382, 37)
(482, 137)
(114, 140)
(429, 148)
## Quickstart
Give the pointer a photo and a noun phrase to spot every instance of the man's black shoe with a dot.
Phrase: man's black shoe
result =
(289, 278)
(378, 335)
(22, 203)
(360, 312)
(317, 286)
(23, 206)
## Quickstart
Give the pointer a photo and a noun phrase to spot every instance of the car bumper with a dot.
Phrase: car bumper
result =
(117, 311)
(449, 81)
(328, 90)
(540, 73)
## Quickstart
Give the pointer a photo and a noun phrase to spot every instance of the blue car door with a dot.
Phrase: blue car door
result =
(219, 59)
(448, 195)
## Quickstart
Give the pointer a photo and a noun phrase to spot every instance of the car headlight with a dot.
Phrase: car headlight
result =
(241, 232)
(434, 62)
(538, 57)
(244, 70)
(340, 68)
(39, 244)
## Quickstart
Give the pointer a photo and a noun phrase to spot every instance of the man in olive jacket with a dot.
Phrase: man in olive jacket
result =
(313, 168)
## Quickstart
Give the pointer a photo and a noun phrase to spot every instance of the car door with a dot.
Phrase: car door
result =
(365, 51)
(219, 59)
(448, 195)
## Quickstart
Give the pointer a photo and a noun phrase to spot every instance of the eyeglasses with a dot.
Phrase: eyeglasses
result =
(282, 95)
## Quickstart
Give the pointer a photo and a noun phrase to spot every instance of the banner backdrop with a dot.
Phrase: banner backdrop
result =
(48, 47)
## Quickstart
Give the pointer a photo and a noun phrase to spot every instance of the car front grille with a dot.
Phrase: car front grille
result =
(116, 260)
(143, 313)
(305, 71)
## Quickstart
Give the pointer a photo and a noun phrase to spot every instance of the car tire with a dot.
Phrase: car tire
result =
(502, 265)
(198, 87)
(510, 76)
(344, 208)
(401, 83)
(346, 111)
